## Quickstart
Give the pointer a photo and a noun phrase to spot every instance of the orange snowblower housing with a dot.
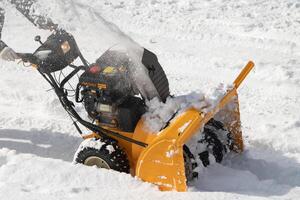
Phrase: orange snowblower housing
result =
(161, 162)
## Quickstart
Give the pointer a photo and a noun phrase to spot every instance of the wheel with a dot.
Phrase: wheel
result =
(189, 164)
(216, 140)
(103, 153)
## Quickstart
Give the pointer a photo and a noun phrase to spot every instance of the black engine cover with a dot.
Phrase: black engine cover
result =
(112, 83)
(126, 115)
(57, 59)
(156, 74)
(108, 97)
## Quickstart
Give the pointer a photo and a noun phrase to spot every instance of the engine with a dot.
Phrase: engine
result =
(108, 97)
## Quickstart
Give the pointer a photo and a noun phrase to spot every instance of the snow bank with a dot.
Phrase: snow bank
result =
(31, 177)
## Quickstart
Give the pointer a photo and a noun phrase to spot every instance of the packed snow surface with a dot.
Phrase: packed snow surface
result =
(200, 44)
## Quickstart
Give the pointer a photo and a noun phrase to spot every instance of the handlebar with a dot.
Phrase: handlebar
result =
(27, 57)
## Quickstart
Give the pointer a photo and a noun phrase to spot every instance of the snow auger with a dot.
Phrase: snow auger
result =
(119, 138)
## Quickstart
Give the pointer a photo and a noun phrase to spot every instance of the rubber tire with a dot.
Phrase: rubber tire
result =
(213, 143)
(117, 160)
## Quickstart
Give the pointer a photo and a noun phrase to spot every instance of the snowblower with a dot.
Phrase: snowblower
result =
(119, 138)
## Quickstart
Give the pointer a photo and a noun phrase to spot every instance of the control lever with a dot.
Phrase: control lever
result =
(38, 39)
(27, 57)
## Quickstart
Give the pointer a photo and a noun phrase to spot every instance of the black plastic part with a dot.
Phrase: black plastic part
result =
(204, 157)
(125, 116)
(69, 76)
(189, 164)
(38, 39)
(117, 84)
(68, 106)
(129, 113)
(77, 128)
(116, 92)
(28, 57)
(77, 94)
(57, 59)
(156, 74)
(213, 143)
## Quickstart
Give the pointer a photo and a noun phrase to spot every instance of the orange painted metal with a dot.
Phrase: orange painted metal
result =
(162, 161)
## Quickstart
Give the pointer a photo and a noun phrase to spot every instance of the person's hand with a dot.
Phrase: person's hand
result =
(8, 54)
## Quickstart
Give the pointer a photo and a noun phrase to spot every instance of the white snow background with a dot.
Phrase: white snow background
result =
(200, 44)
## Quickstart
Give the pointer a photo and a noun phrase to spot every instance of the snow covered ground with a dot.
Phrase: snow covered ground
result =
(199, 44)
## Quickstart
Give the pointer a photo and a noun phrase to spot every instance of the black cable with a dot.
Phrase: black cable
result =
(68, 82)
(59, 76)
